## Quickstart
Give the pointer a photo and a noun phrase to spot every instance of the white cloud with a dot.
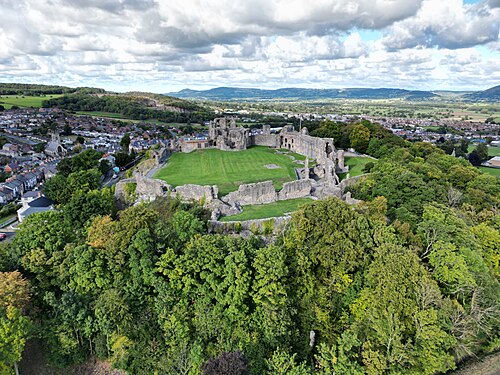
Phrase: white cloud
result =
(166, 45)
(446, 24)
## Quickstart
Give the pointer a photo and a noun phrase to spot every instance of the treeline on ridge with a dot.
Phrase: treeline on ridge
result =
(29, 89)
(132, 107)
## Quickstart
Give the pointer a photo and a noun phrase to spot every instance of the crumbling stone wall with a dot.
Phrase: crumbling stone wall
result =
(269, 140)
(264, 192)
(328, 190)
(247, 194)
(258, 226)
(304, 144)
(196, 192)
(295, 189)
(150, 188)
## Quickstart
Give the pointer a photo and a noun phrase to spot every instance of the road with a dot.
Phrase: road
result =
(10, 234)
(110, 181)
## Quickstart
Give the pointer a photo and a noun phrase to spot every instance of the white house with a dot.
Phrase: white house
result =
(40, 204)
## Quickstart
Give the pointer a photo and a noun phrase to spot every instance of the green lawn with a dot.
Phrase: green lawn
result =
(493, 171)
(3, 220)
(261, 211)
(24, 101)
(492, 151)
(228, 169)
(356, 164)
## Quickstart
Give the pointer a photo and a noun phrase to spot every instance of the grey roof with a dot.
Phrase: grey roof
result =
(41, 202)
(53, 146)
(31, 194)
(33, 210)
(13, 184)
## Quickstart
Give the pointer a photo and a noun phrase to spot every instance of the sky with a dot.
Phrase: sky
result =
(167, 45)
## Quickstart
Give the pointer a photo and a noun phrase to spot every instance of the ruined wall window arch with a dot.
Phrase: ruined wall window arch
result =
(328, 149)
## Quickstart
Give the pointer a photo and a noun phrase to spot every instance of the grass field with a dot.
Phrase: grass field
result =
(24, 101)
(492, 151)
(356, 164)
(118, 116)
(104, 114)
(493, 171)
(228, 169)
(261, 211)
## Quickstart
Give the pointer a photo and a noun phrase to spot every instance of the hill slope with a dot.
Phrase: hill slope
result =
(232, 93)
(490, 95)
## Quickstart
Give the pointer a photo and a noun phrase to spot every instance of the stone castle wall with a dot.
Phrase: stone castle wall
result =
(196, 192)
(269, 140)
(295, 189)
(247, 194)
(223, 134)
(278, 225)
(264, 192)
(304, 144)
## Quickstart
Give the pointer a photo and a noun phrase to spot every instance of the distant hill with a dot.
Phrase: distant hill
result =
(232, 93)
(490, 95)
(243, 94)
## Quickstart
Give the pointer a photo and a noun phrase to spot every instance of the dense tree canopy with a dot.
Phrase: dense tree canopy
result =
(406, 282)
(134, 107)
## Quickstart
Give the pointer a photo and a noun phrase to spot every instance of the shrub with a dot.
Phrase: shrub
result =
(268, 226)
(238, 227)
(130, 194)
(254, 228)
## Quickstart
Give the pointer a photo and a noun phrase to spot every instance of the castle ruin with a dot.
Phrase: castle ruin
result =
(319, 181)
(223, 134)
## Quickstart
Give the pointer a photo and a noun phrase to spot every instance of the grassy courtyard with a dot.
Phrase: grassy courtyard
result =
(229, 169)
(24, 101)
(261, 211)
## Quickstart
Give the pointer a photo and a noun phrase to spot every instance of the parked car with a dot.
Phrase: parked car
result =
(3, 236)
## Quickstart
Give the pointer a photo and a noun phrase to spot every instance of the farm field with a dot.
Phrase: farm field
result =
(261, 211)
(229, 169)
(492, 171)
(118, 116)
(24, 101)
(435, 109)
(112, 115)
